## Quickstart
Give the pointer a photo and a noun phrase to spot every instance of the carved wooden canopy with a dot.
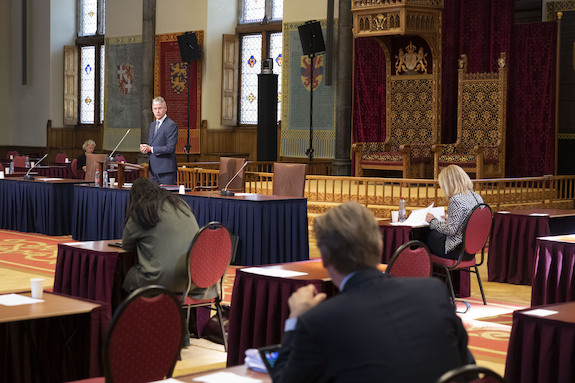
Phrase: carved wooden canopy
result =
(396, 17)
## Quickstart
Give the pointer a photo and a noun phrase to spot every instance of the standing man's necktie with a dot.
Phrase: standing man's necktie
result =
(157, 128)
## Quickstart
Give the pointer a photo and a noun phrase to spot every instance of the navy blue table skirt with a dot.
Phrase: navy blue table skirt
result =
(270, 229)
(36, 206)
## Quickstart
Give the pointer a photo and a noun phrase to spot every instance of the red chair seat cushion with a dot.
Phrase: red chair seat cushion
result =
(450, 263)
(191, 301)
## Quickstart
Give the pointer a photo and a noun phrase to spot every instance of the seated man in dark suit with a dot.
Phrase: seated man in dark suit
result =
(378, 328)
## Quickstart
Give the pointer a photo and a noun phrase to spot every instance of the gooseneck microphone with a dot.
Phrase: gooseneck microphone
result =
(27, 176)
(225, 191)
(111, 156)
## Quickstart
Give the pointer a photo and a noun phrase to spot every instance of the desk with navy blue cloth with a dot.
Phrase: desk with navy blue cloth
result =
(42, 205)
(271, 229)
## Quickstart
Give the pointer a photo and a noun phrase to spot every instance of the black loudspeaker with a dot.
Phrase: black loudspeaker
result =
(311, 38)
(189, 48)
(267, 117)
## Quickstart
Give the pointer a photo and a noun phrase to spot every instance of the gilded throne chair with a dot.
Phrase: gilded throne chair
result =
(481, 123)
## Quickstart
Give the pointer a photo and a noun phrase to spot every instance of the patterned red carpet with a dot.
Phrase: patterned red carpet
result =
(29, 252)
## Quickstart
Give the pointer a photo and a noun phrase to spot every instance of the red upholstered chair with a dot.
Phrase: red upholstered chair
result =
(11, 153)
(74, 169)
(411, 259)
(208, 259)
(145, 338)
(476, 231)
(120, 158)
(471, 373)
(228, 168)
(20, 161)
(289, 179)
(60, 158)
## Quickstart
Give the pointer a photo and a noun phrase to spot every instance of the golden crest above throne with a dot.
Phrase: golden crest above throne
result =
(411, 61)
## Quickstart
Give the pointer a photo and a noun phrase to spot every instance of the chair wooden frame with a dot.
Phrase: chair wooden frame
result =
(465, 261)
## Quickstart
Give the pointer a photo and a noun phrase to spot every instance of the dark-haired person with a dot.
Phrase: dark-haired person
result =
(378, 328)
(160, 226)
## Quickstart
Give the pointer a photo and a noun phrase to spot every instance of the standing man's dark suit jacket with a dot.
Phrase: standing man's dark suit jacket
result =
(379, 329)
(163, 165)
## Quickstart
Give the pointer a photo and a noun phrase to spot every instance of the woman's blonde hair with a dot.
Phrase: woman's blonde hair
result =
(453, 180)
(87, 143)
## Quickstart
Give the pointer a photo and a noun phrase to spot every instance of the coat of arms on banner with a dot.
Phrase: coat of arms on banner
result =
(411, 62)
(178, 76)
(125, 78)
(306, 71)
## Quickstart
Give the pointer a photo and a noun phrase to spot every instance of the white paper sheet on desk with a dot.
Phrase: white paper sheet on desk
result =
(226, 377)
(17, 300)
(280, 273)
(244, 194)
(540, 312)
(50, 179)
(417, 217)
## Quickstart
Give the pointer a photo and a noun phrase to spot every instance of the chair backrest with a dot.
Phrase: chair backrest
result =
(11, 153)
(228, 168)
(73, 167)
(477, 228)
(145, 337)
(289, 179)
(411, 259)
(92, 161)
(471, 373)
(120, 158)
(209, 256)
(20, 161)
(60, 158)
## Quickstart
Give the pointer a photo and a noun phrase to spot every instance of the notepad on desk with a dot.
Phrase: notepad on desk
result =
(417, 217)
(280, 273)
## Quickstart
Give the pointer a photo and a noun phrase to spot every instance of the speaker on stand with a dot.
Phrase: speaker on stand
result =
(189, 51)
(312, 42)
(267, 134)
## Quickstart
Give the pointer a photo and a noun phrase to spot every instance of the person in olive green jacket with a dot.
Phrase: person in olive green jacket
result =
(160, 226)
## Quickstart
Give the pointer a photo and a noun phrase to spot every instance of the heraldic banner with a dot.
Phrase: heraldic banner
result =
(171, 81)
(122, 101)
(296, 86)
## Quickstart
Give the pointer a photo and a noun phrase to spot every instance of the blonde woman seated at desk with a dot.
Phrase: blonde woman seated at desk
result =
(88, 147)
(446, 237)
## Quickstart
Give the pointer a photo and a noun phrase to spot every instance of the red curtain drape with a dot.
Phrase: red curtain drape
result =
(530, 149)
(480, 29)
(369, 91)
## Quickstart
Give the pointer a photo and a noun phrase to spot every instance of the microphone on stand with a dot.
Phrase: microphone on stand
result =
(27, 176)
(225, 191)
(111, 156)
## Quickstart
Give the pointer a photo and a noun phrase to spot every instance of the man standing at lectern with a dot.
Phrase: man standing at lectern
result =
(161, 146)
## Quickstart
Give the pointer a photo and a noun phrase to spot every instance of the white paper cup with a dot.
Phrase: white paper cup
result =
(112, 182)
(394, 216)
(1, 174)
(32, 163)
(182, 189)
(37, 287)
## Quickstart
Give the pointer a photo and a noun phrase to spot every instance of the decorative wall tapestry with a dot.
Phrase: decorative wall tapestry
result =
(122, 95)
(296, 100)
(171, 82)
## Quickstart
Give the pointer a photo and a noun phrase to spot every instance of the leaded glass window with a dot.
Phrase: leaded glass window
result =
(91, 48)
(276, 56)
(277, 9)
(253, 11)
(250, 67)
(102, 83)
(87, 84)
(261, 39)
